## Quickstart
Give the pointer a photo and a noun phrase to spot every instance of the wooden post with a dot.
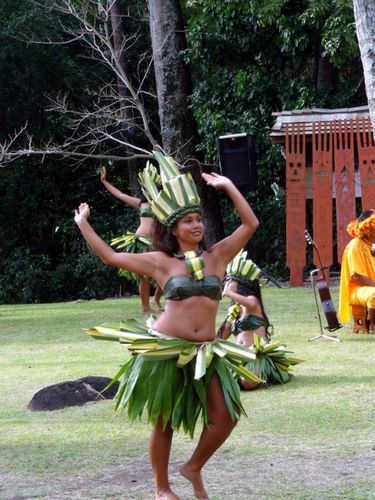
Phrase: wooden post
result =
(340, 139)
(345, 179)
(322, 159)
(366, 163)
(295, 151)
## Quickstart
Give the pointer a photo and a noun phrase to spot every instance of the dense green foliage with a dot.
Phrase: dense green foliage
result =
(42, 255)
(252, 58)
(247, 60)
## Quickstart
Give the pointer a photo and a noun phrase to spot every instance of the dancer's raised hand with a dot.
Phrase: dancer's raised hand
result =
(217, 181)
(83, 213)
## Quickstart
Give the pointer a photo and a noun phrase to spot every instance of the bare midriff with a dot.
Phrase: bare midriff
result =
(145, 227)
(190, 319)
(246, 338)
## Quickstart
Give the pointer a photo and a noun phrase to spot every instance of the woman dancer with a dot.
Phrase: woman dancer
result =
(248, 321)
(143, 233)
(191, 278)
(246, 316)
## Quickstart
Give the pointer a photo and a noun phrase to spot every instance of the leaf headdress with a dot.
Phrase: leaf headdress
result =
(178, 194)
(242, 269)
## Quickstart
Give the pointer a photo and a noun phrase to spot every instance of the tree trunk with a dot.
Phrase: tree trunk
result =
(364, 14)
(173, 83)
(118, 35)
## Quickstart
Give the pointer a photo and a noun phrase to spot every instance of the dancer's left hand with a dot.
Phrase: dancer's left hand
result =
(216, 181)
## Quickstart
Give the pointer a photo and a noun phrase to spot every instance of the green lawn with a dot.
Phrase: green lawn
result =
(311, 438)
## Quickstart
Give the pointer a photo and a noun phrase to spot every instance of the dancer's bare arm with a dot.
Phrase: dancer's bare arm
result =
(125, 198)
(225, 330)
(232, 244)
(243, 300)
(143, 264)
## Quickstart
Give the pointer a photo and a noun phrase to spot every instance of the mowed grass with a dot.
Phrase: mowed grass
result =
(311, 438)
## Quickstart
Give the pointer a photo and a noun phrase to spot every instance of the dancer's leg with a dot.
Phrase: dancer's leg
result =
(144, 292)
(159, 449)
(157, 295)
(219, 427)
(249, 386)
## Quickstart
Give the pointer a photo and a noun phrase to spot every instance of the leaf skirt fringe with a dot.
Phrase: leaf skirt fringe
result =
(163, 389)
(169, 378)
(273, 362)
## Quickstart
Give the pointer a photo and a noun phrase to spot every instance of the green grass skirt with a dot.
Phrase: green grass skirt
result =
(163, 389)
(131, 243)
(170, 377)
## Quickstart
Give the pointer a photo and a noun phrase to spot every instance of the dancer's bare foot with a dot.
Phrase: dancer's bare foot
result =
(196, 480)
(149, 311)
(166, 495)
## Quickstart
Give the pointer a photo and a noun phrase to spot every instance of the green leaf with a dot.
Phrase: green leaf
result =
(132, 380)
(200, 364)
(243, 372)
(237, 351)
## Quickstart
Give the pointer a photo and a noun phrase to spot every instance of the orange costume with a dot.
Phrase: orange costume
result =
(357, 262)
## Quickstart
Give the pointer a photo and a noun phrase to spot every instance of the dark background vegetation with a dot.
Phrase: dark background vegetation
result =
(247, 59)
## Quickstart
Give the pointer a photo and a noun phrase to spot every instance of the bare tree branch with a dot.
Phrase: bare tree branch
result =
(113, 116)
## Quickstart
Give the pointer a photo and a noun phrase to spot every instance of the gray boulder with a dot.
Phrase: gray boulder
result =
(72, 393)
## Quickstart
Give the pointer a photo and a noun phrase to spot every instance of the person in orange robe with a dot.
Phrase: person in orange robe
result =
(357, 285)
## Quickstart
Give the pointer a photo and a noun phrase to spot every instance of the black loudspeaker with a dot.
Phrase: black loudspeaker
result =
(238, 155)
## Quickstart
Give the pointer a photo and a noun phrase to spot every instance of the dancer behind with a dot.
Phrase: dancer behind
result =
(190, 312)
(357, 285)
(141, 240)
(246, 316)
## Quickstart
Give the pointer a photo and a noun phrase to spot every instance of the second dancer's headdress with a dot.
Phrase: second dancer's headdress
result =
(242, 269)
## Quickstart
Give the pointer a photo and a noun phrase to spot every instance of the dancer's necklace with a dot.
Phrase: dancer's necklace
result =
(194, 263)
(183, 256)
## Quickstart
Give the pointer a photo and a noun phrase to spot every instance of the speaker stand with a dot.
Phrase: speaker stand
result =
(322, 335)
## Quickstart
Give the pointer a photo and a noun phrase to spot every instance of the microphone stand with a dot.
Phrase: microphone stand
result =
(325, 297)
(322, 335)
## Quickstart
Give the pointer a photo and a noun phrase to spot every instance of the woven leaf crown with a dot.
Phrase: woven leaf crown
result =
(178, 194)
(241, 267)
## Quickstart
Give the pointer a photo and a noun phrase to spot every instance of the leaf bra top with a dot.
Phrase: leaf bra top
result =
(249, 322)
(183, 287)
(145, 212)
